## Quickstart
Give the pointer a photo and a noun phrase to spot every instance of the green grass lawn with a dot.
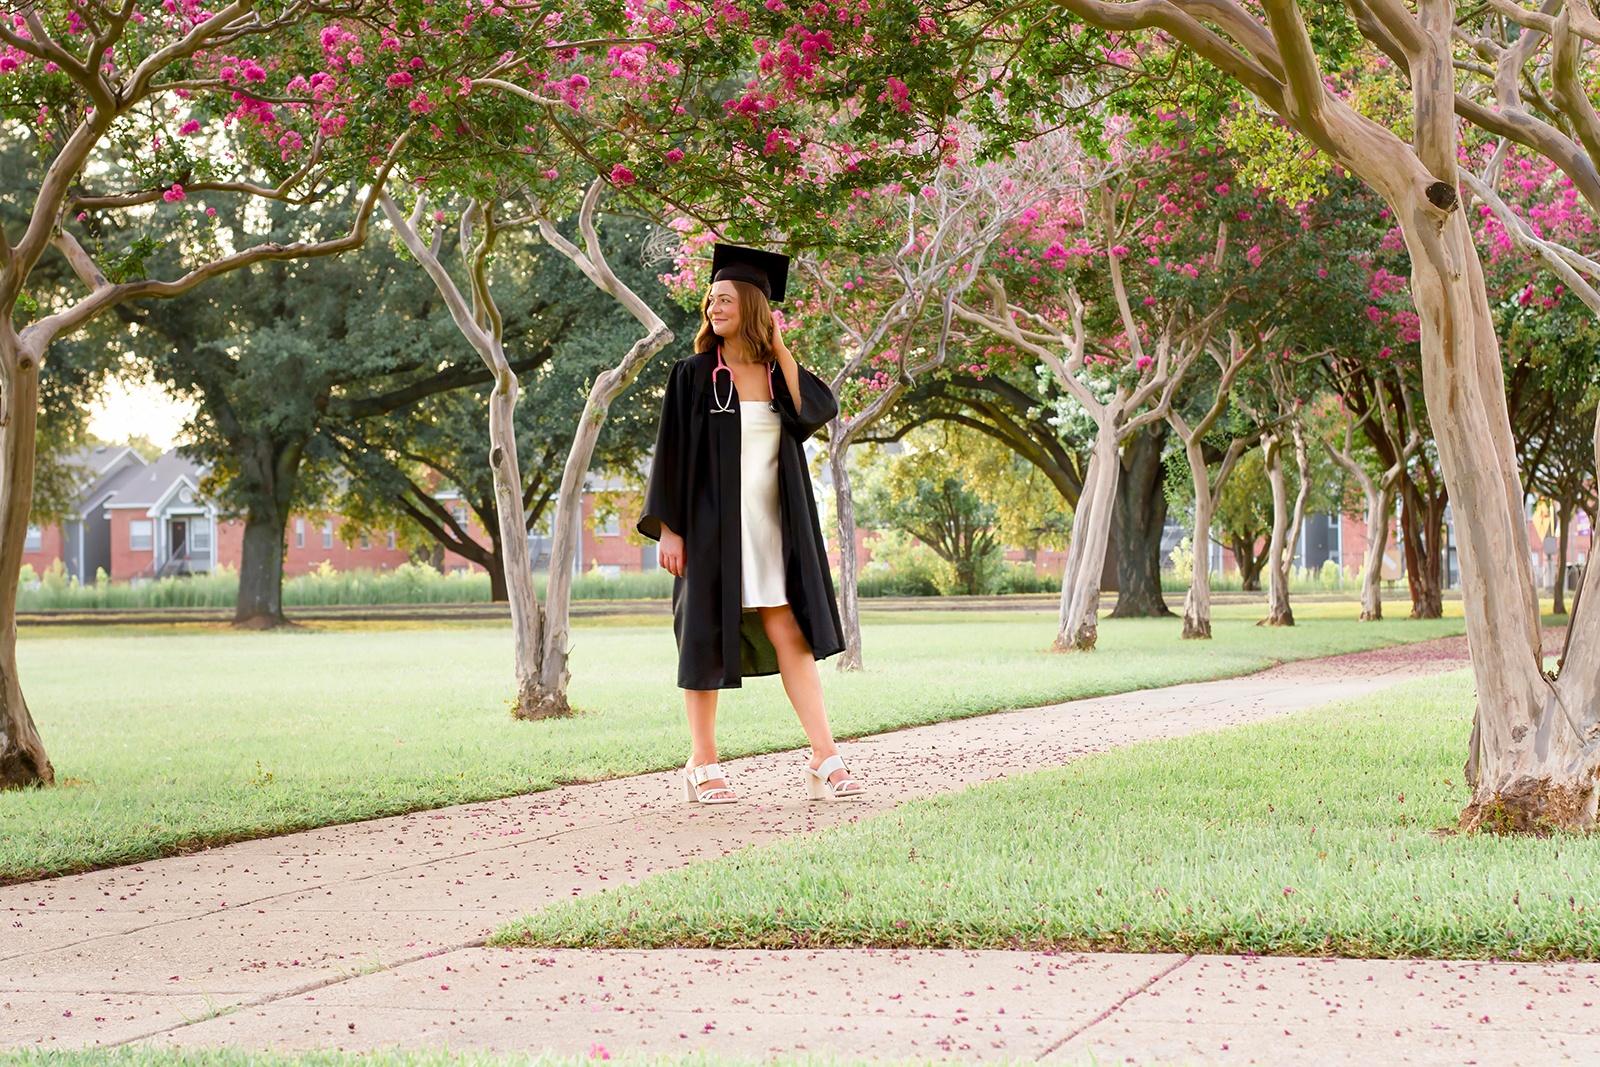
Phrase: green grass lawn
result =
(1311, 835)
(170, 741)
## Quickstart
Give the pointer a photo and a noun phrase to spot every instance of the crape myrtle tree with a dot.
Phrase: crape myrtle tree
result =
(1119, 328)
(742, 120)
(108, 100)
(540, 635)
(1391, 409)
(1534, 759)
(400, 463)
(879, 302)
(1206, 407)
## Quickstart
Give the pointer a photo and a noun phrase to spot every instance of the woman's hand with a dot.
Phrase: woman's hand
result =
(671, 553)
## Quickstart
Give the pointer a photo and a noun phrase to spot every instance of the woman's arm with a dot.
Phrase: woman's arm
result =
(787, 364)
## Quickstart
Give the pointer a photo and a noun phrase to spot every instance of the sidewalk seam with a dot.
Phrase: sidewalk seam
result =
(1103, 1016)
(310, 987)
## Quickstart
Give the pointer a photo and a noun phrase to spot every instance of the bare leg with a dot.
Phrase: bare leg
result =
(798, 668)
(702, 708)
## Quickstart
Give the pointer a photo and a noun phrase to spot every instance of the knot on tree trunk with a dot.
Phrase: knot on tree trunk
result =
(1443, 196)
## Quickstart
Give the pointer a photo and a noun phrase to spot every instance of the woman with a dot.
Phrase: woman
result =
(730, 501)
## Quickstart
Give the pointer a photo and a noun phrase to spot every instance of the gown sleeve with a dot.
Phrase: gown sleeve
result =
(666, 497)
(817, 405)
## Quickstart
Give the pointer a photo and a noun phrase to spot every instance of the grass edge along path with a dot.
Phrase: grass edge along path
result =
(224, 737)
(1310, 835)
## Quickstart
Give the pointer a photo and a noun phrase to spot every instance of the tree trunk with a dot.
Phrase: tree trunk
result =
(1422, 525)
(260, 603)
(567, 524)
(1137, 523)
(23, 760)
(849, 565)
(1278, 611)
(497, 575)
(1248, 562)
(1197, 602)
(1380, 507)
(1559, 605)
(271, 469)
(1078, 625)
(1530, 759)
(527, 621)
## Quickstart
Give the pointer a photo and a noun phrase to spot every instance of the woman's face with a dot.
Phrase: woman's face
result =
(723, 309)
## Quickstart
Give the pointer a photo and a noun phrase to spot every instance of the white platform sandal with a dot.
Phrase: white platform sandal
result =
(696, 777)
(820, 788)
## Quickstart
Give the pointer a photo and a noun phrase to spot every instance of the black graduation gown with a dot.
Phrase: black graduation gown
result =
(694, 492)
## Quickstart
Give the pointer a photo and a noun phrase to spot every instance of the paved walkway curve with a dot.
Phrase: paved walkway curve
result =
(371, 934)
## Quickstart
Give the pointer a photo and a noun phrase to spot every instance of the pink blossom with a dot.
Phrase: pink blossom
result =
(621, 175)
(192, 126)
(211, 212)
(173, 195)
(400, 80)
(1143, 362)
(1253, 254)
(674, 156)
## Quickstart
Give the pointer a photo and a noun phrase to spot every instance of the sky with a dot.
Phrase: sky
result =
(138, 408)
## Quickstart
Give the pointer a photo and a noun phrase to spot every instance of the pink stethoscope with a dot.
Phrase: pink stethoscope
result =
(720, 406)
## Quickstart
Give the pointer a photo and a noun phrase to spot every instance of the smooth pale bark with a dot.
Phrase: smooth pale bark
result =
(1302, 464)
(1138, 522)
(480, 324)
(1197, 601)
(1379, 493)
(549, 697)
(22, 754)
(1129, 410)
(844, 505)
(1230, 362)
(1534, 757)
(1279, 612)
(1077, 626)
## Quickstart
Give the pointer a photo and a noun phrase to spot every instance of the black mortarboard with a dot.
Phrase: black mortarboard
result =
(767, 271)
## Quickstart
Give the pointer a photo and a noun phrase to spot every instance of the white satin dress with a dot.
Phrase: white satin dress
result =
(760, 527)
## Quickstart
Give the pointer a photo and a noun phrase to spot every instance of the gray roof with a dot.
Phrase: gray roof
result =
(149, 486)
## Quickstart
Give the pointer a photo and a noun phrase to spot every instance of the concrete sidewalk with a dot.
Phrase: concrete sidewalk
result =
(376, 913)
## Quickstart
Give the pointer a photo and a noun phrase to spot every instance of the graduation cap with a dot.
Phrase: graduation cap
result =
(767, 271)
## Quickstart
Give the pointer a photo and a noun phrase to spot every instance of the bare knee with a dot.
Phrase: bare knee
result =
(782, 629)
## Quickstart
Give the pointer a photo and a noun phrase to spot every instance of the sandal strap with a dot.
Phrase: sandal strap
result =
(705, 773)
(829, 765)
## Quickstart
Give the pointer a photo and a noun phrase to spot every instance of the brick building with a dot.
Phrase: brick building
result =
(142, 519)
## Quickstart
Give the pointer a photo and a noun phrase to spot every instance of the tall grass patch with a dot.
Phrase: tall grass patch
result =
(1318, 834)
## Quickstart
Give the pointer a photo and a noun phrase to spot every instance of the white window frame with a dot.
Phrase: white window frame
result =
(299, 533)
(35, 540)
(200, 534)
(147, 528)
(327, 533)
(391, 539)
